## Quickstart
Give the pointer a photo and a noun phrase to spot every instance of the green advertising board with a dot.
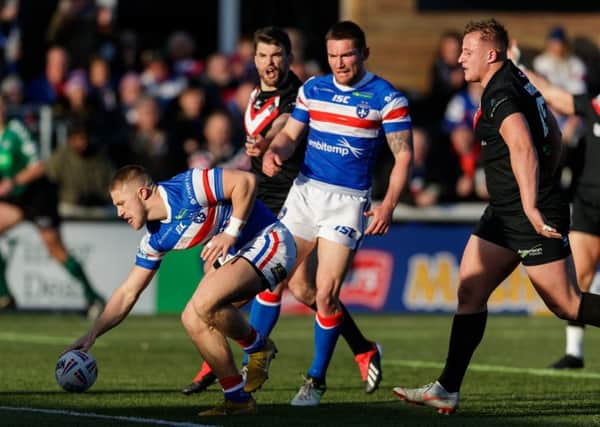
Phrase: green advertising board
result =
(178, 277)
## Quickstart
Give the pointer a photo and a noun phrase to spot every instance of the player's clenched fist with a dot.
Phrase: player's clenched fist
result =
(271, 163)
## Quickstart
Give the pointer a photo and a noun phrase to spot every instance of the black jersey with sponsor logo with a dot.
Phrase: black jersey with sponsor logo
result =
(263, 108)
(509, 91)
(589, 181)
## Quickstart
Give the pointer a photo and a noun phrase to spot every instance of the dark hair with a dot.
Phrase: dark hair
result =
(77, 127)
(347, 30)
(451, 34)
(273, 35)
(491, 30)
(130, 173)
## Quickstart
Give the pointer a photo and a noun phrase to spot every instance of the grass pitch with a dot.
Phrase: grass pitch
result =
(145, 361)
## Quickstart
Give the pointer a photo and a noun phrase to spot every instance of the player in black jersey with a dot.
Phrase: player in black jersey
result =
(527, 220)
(268, 109)
(585, 228)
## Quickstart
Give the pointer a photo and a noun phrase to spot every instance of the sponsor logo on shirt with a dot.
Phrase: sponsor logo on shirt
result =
(181, 214)
(342, 99)
(343, 147)
(366, 95)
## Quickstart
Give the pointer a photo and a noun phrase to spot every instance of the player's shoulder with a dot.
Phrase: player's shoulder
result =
(385, 93)
(492, 100)
(379, 83)
(503, 87)
(318, 85)
(179, 189)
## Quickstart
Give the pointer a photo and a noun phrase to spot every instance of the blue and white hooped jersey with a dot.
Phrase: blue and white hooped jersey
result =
(347, 127)
(460, 111)
(196, 211)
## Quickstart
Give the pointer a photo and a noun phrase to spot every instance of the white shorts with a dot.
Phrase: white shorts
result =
(272, 252)
(316, 209)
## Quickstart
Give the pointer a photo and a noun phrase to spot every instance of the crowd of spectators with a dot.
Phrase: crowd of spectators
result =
(168, 109)
(447, 154)
(163, 107)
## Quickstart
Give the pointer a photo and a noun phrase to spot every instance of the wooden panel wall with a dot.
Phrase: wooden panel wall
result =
(403, 41)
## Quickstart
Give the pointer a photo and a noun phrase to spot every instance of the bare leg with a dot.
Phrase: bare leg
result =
(556, 283)
(210, 316)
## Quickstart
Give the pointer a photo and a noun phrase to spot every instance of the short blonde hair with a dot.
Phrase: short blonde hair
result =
(131, 173)
(491, 30)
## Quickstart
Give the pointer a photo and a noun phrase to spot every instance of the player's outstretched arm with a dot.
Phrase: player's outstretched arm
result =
(400, 144)
(283, 145)
(117, 308)
(558, 98)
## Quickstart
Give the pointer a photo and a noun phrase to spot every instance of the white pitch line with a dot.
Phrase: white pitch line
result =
(499, 369)
(37, 338)
(105, 417)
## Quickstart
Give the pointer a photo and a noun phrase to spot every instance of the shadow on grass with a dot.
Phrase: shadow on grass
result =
(509, 412)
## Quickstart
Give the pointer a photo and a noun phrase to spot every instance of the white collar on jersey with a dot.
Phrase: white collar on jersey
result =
(165, 198)
(366, 78)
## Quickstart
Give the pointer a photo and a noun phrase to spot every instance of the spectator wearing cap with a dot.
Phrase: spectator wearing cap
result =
(76, 92)
(562, 68)
(557, 64)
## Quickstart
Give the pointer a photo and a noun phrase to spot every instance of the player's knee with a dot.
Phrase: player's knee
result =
(326, 302)
(584, 280)
(566, 310)
(468, 296)
(189, 318)
(195, 317)
(302, 292)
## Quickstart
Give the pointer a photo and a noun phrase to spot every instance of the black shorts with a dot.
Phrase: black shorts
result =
(586, 216)
(516, 233)
(39, 203)
(273, 200)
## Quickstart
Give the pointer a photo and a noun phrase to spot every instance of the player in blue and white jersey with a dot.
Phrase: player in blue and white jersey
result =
(217, 208)
(349, 115)
(269, 107)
